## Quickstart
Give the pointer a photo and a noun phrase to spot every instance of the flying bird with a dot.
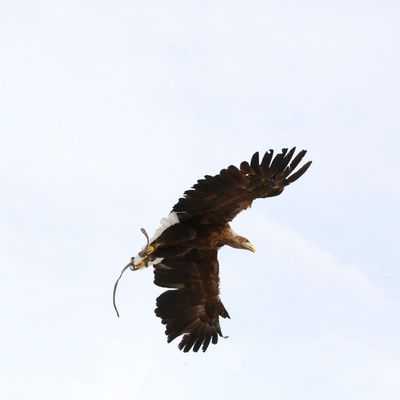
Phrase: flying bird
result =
(184, 250)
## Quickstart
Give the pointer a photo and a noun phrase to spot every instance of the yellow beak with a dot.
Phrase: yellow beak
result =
(250, 247)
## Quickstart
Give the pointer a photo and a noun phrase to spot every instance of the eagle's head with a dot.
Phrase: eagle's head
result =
(231, 238)
(244, 243)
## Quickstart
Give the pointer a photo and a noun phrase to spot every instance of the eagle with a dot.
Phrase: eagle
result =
(184, 250)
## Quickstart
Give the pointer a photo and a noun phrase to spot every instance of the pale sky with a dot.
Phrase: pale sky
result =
(111, 109)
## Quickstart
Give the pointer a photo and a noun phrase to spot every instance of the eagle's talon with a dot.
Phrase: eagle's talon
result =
(150, 249)
(140, 265)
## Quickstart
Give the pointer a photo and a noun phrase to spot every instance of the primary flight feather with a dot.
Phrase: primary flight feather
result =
(184, 250)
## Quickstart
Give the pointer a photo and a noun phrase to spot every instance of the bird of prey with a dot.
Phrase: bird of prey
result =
(184, 250)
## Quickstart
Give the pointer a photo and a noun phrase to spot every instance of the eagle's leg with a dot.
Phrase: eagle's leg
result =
(144, 258)
(141, 264)
(150, 249)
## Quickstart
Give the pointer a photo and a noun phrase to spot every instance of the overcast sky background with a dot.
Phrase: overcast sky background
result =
(111, 109)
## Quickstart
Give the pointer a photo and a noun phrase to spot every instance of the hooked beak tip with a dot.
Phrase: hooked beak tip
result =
(250, 247)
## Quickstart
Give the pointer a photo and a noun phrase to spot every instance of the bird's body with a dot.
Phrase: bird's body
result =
(184, 249)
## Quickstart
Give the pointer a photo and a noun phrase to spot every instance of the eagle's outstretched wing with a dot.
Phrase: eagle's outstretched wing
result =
(218, 199)
(193, 308)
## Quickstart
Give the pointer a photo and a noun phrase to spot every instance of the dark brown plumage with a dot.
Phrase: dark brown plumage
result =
(184, 253)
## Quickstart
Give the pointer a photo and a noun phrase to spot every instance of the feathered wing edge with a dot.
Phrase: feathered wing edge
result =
(193, 308)
(219, 198)
(279, 169)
